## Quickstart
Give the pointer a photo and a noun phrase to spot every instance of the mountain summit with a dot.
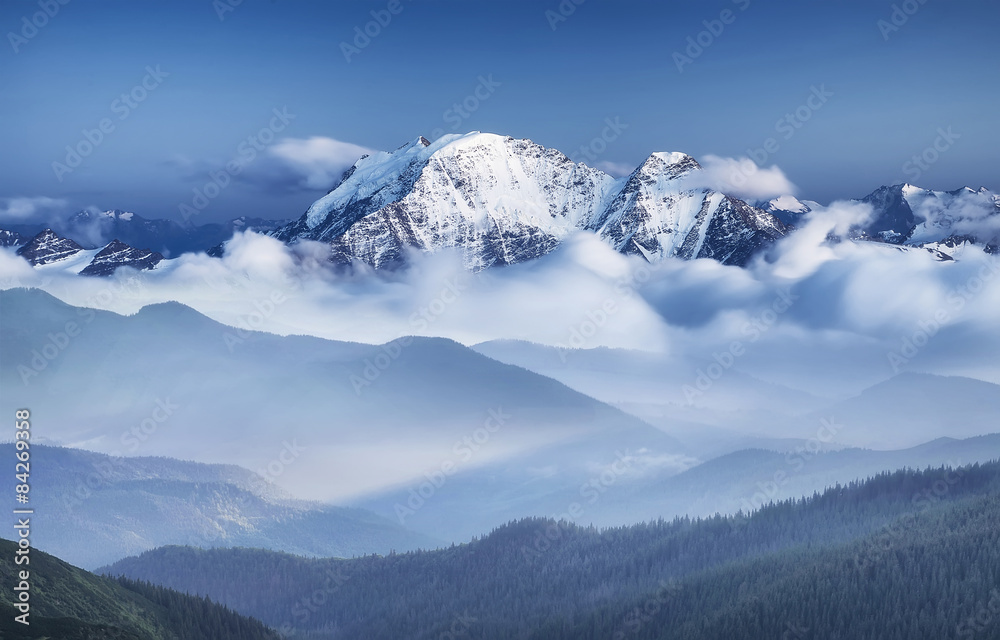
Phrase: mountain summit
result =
(502, 201)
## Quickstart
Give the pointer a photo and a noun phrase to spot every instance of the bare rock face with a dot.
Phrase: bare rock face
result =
(655, 216)
(11, 238)
(48, 246)
(117, 254)
(942, 222)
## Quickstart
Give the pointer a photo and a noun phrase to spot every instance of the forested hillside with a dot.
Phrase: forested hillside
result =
(71, 604)
(910, 554)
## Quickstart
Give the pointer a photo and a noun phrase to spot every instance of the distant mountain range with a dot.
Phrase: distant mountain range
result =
(95, 229)
(97, 244)
(906, 215)
(93, 509)
(48, 247)
(444, 466)
(435, 436)
(650, 386)
(365, 416)
(743, 480)
(499, 201)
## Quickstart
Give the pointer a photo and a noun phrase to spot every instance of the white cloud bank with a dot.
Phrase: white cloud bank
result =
(303, 164)
(319, 161)
(740, 177)
(966, 212)
(851, 304)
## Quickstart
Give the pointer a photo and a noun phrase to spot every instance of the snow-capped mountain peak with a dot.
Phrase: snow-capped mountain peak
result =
(117, 254)
(47, 247)
(911, 215)
(374, 180)
(789, 209)
(673, 164)
(502, 200)
(112, 214)
(790, 204)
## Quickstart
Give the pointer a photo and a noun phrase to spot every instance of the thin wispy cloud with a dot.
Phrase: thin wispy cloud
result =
(22, 209)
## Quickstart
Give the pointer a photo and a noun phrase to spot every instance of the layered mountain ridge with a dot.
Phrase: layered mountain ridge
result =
(912, 216)
(48, 247)
(497, 200)
(92, 229)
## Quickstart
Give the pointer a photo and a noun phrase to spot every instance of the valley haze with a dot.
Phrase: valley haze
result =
(495, 319)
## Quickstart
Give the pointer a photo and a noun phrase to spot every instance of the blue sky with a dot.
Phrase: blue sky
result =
(213, 83)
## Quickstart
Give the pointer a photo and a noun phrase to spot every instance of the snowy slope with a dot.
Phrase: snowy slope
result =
(789, 209)
(501, 201)
(74, 263)
(50, 252)
(118, 254)
(655, 216)
(11, 238)
(942, 220)
(47, 247)
(941, 215)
